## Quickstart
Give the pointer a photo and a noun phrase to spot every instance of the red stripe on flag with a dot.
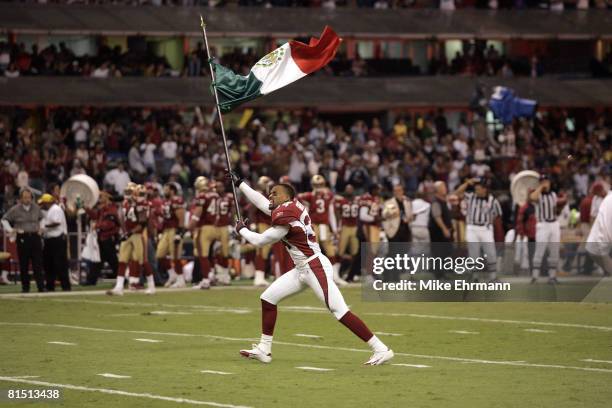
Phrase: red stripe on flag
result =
(315, 55)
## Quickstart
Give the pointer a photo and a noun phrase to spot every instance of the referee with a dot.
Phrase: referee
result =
(548, 231)
(481, 210)
(24, 218)
(54, 229)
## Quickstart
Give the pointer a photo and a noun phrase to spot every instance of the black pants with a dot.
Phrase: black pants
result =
(108, 254)
(29, 249)
(403, 235)
(55, 262)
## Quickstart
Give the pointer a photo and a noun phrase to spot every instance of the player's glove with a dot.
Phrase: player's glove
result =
(240, 224)
(236, 179)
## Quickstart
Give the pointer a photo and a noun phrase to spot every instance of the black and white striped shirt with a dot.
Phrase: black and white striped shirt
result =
(481, 211)
(546, 207)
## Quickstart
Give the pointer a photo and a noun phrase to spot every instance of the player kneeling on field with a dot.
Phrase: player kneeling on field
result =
(291, 225)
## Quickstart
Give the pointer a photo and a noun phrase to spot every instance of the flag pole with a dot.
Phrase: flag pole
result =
(212, 78)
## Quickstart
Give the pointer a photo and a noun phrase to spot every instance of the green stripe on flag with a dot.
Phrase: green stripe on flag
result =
(234, 90)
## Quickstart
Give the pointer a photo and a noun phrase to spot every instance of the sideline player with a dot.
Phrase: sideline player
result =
(203, 219)
(481, 209)
(124, 246)
(348, 209)
(291, 224)
(320, 203)
(173, 216)
(224, 220)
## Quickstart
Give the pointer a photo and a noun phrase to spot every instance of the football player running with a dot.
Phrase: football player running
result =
(291, 225)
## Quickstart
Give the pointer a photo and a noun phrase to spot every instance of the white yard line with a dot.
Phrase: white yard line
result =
(388, 334)
(165, 313)
(313, 309)
(62, 343)
(310, 336)
(314, 369)
(463, 332)
(314, 346)
(203, 308)
(111, 375)
(119, 392)
(481, 319)
(590, 360)
(538, 331)
(149, 340)
(215, 372)
(411, 365)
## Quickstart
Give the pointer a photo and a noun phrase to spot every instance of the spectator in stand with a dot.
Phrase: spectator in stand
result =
(117, 178)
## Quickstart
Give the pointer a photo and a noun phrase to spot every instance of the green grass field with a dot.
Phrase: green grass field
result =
(448, 354)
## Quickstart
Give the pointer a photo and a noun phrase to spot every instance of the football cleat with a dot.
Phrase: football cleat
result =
(380, 357)
(179, 282)
(114, 292)
(150, 291)
(257, 354)
(134, 287)
(171, 278)
(204, 284)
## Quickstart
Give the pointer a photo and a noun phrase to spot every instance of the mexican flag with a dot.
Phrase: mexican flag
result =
(286, 64)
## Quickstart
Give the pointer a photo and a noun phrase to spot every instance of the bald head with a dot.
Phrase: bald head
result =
(440, 188)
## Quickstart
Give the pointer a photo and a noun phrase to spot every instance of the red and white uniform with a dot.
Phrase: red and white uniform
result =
(370, 209)
(349, 211)
(292, 225)
(156, 206)
(320, 205)
(208, 202)
(224, 210)
(168, 212)
(135, 215)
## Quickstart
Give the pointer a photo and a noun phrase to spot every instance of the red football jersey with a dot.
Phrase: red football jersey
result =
(349, 210)
(318, 203)
(156, 212)
(300, 241)
(169, 208)
(224, 209)
(374, 207)
(137, 214)
(208, 202)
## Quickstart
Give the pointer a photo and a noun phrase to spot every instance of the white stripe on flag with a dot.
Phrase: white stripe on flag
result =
(276, 70)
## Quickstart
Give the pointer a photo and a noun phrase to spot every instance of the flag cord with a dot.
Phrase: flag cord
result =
(214, 86)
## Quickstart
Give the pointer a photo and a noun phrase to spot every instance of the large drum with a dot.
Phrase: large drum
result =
(522, 183)
(83, 187)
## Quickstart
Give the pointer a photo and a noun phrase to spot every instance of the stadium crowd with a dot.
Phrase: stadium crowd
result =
(118, 147)
(412, 149)
(16, 61)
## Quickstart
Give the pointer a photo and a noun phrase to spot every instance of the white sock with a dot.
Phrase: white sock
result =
(150, 281)
(133, 280)
(5, 275)
(376, 345)
(119, 282)
(265, 344)
(552, 273)
(492, 275)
